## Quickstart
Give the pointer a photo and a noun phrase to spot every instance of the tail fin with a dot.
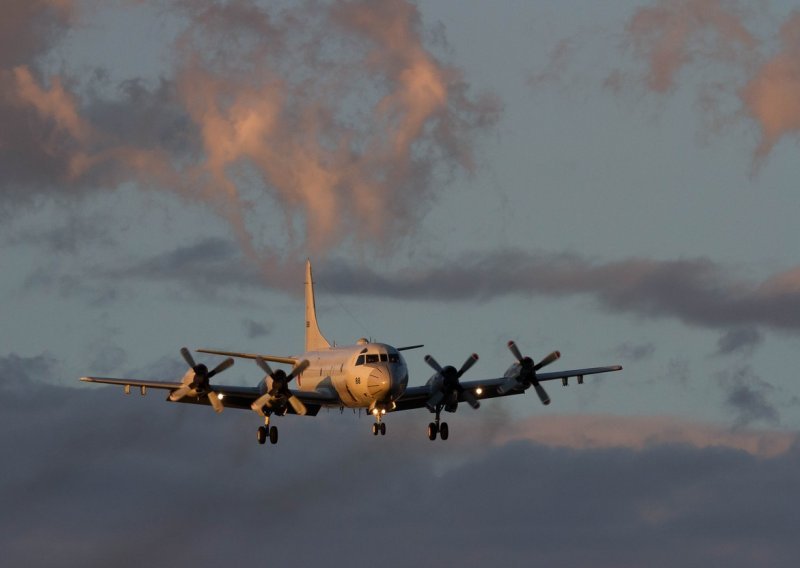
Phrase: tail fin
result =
(315, 341)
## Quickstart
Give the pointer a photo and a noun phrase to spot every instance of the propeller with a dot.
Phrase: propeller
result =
(279, 394)
(196, 381)
(447, 387)
(526, 374)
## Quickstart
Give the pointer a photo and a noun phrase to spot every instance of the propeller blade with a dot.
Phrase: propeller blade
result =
(432, 362)
(259, 403)
(180, 393)
(264, 366)
(226, 364)
(298, 405)
(471, 400)
(467, 364)
(541, 392)
(298, 369)
(515, 351)
(187, 356)
(554, 356)
(215, 402)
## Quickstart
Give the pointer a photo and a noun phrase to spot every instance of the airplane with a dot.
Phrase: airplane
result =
(367, 375)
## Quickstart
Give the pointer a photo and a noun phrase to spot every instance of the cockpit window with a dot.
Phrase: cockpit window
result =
(394, 357)
(360, 360)
(384, 357)
(372, 358)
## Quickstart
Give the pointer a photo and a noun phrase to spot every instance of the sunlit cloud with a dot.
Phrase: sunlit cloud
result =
(338, 113)
(639, 433)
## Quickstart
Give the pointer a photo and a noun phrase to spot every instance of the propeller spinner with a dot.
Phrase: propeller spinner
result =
(524, 375)
(196, 382)
(446, 387)
(279, 394)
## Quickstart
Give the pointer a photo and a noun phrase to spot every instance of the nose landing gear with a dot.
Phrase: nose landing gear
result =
(378, 427)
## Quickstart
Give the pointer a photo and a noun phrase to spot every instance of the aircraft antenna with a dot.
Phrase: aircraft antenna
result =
(335, 296)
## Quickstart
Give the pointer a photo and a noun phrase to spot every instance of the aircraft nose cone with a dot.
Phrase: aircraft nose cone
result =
(378, 383)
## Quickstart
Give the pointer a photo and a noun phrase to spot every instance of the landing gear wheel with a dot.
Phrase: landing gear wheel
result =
(444, 431)
(273, 435)
(261, 434)
(383, 428)
(375, 429)
(433, 429)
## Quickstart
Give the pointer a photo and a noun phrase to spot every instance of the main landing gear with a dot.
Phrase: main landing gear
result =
(267, 431)
(438, 427)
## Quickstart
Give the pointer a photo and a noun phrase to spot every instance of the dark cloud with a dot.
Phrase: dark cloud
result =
(94, 477)
(743, 340)
(697, 291)
(255, 329)
(747, 395)
(635, 351)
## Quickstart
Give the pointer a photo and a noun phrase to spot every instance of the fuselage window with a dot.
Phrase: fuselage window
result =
(372, 358)
(360, 360)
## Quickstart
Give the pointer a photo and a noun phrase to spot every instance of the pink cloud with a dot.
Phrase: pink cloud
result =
(638, 433)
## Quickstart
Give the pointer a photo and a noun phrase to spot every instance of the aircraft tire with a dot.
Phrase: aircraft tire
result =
(432, 431)
(444, 431)
(383, 428)
(273, 435)
(261, 434)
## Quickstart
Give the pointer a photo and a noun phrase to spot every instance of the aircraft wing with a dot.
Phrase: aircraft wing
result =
(416, 397)
(231, 396)
(240, 355)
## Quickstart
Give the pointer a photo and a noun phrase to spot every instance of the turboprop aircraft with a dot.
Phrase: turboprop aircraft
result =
(368, 375)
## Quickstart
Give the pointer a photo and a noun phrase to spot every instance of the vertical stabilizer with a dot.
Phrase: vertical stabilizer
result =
(315, 341)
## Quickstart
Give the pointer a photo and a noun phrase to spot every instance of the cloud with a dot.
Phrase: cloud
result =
(747, 395)
(740, 340)
(97, 477)
(255, 329)
(696, 291)
(635, 352)
(740, 66)
(640, 433)
(337, 113)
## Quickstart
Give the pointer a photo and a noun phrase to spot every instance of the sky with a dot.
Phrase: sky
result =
(613, 180)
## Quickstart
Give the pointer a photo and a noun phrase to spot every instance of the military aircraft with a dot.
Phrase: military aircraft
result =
(368, 375)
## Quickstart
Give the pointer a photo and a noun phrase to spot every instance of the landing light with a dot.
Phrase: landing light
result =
(383, 411)
(479, 391)
(220, 396)
(375, 411)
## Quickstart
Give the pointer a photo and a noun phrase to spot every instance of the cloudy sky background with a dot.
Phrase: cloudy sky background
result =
(616, 181)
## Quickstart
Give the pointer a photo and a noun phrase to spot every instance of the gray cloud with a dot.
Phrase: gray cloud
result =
(741, 340)
(94, 477)
(696, 291)
(635, 351)
(747, 395)
(256, 329)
